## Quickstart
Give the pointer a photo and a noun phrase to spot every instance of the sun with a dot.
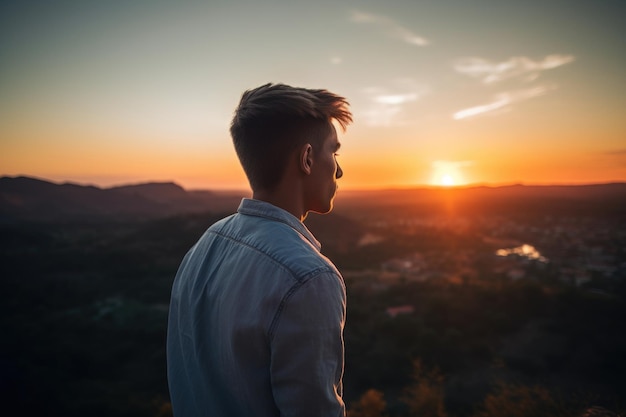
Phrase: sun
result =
(447, 180)
(448, 173)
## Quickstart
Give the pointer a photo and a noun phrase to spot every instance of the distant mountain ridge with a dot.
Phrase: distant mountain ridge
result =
(30, 199)
(26, 198)
(596, 199)
(157, 191)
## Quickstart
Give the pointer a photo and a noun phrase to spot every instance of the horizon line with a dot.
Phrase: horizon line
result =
(390, 187)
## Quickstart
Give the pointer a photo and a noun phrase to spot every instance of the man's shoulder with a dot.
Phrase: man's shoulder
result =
(275, 240)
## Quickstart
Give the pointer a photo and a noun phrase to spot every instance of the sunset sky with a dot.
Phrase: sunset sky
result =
(444, 92)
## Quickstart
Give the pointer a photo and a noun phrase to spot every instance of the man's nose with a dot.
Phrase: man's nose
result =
(339, 172)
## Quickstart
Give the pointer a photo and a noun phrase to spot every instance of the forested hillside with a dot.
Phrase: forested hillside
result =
(444, 317)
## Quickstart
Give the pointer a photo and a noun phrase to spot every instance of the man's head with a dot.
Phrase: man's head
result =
(275, 121)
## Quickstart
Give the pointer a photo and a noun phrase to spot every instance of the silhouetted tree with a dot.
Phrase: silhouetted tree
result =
(510, 400)
(425, 397)
(597, 411)
(165, 409)
(371, 404)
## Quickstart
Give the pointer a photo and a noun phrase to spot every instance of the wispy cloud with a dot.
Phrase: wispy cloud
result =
(387, 103)
(390, 27)
(439, 164)
(518, 66)
(336, 60)
(617, 156)
(502, 101)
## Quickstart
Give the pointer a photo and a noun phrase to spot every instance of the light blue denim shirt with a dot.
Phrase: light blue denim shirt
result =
(256, 321)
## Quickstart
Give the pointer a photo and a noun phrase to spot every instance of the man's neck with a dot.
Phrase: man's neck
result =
(287, 201)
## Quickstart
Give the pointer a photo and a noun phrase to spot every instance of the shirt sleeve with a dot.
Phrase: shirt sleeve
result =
(307, 350)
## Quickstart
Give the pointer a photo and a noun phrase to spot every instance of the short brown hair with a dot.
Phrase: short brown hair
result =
(274, 119)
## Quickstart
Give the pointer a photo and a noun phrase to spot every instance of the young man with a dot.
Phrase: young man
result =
(257, 312)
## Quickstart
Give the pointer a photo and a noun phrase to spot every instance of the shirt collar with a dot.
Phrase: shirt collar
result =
(267, 210)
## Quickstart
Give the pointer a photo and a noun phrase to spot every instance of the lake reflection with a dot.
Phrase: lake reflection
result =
(526, 251)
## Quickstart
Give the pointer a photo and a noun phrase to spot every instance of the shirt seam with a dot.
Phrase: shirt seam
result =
(293, 273)
(314, 274)
(279, 217)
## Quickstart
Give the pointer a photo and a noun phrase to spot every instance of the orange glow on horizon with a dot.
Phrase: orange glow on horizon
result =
(204, 164)
(545, 109)
(448, 173)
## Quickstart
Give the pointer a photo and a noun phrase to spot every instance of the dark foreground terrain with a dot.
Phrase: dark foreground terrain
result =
(485, 301)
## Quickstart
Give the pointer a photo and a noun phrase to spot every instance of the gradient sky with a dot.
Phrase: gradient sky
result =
(443, 91)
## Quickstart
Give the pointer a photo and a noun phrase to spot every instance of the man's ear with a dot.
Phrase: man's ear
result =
(306, 158)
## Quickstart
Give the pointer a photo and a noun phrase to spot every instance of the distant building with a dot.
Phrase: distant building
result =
(405, 309)
(575, 275)
(409, 265)
(515, 274)
(397, 265)
(370, 239)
